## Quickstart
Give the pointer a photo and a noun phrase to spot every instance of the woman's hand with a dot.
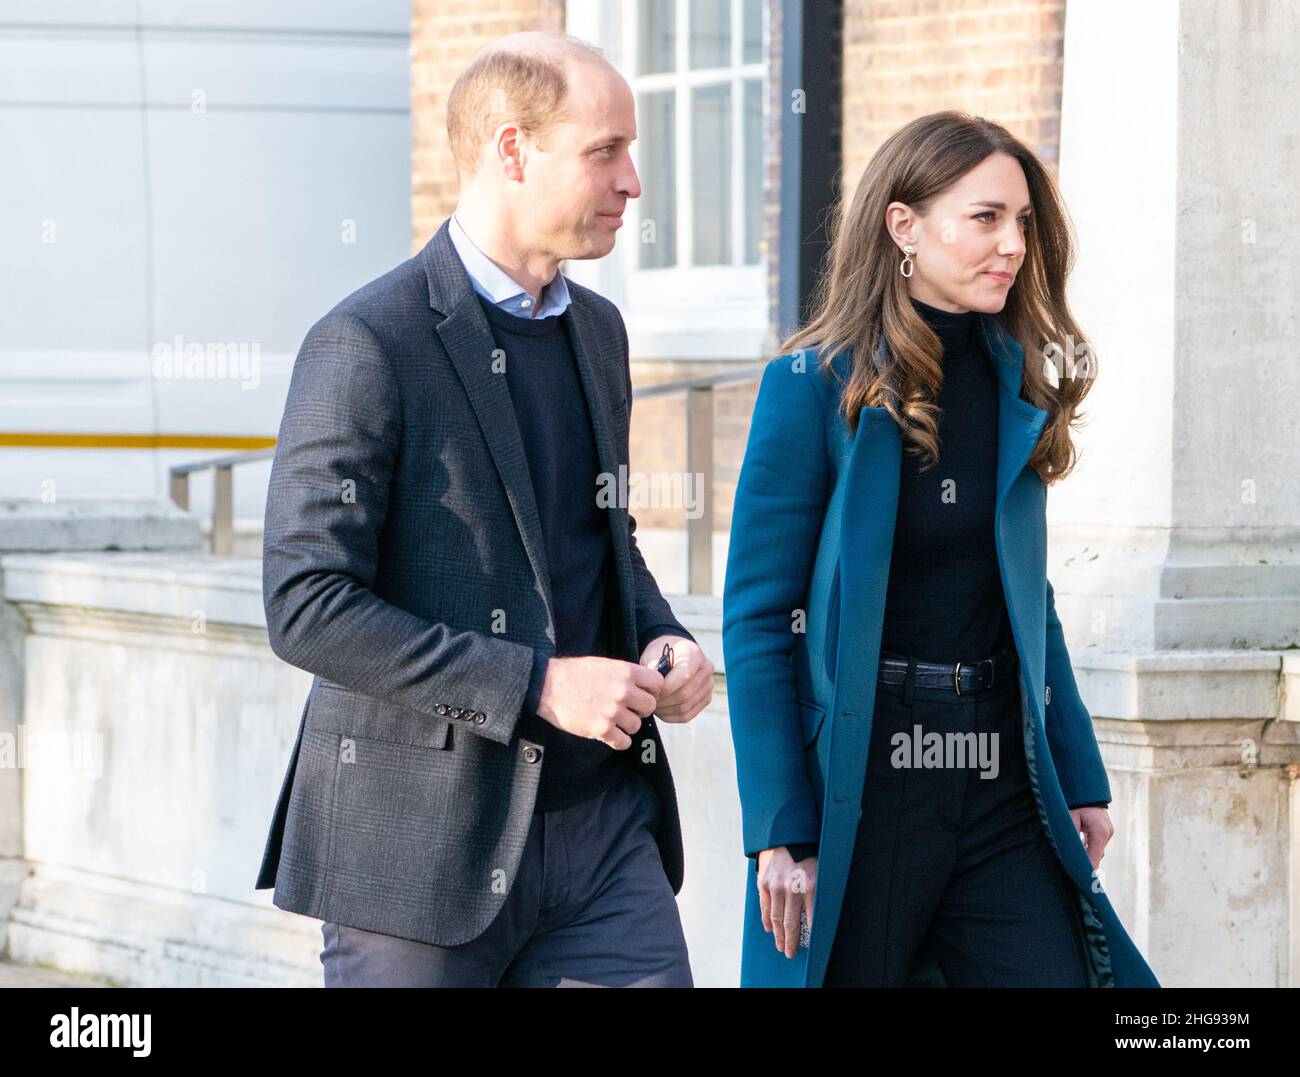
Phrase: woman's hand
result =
(1097, 831)
(785, 890)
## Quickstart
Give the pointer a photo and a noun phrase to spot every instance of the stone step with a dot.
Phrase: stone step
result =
(14, 975)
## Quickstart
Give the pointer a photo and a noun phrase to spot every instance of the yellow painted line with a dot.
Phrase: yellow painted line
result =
(134, 441)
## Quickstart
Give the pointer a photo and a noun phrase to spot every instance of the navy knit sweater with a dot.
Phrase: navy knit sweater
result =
(560, 447)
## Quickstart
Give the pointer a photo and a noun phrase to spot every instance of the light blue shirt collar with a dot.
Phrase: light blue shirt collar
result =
(499, 288)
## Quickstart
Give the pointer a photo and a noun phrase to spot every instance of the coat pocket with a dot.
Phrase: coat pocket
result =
(811, 717)
(340, 710)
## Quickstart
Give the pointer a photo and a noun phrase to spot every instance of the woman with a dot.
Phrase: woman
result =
(916, 767)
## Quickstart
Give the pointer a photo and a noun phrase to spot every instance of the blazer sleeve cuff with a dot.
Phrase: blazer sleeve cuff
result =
(533, 696)
(649, 635)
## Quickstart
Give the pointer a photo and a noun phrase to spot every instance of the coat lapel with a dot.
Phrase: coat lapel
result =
(1019, 519)
(1019, 422)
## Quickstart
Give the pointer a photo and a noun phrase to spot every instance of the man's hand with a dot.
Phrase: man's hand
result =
(688, 688)
(786, 890)
(1097, 831)
(603, 699)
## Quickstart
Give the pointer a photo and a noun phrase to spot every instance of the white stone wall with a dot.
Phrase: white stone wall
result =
(142, 847)
(184, 169)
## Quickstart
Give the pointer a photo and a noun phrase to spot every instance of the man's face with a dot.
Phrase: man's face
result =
(576, 183)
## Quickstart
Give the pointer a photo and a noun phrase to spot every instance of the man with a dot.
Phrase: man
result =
(478, 794)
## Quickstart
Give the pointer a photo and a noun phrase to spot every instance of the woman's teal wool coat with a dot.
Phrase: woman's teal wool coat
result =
(811, 540)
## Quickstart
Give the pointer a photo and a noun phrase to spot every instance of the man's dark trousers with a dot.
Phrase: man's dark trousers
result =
(590, 907)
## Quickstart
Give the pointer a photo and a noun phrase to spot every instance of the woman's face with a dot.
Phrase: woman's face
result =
(971, 245)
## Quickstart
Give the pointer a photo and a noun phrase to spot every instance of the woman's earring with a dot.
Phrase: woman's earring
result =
(906, 267)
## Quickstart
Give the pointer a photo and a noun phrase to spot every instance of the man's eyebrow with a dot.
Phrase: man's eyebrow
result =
(608, 140)
(1002, 205)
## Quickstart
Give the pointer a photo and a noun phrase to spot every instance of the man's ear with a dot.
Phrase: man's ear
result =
(510, 148)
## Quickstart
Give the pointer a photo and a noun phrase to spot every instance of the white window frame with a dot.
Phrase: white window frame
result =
(684, 312)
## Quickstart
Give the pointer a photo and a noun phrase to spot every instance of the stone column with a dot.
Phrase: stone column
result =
(1175, 546)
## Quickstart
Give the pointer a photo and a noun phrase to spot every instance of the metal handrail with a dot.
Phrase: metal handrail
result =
(752, 372)
(699, 461)
(223, 492)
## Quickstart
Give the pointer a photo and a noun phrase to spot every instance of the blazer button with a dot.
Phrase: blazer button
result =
(455, 712)
(480, 718)
(531, 754)
(441, 708)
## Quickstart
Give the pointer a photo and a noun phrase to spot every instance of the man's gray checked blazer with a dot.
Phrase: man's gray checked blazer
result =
(404, 566)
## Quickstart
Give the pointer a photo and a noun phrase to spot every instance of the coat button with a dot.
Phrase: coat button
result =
(455, 712)
(441, 708)
(531, 754)
(480, 718)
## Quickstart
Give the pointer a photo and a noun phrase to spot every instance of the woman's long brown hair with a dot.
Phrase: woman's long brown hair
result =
(862, 295)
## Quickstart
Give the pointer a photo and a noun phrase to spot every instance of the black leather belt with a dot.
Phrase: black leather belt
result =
(956, 677)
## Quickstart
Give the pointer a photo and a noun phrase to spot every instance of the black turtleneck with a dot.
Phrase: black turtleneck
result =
(944, 600)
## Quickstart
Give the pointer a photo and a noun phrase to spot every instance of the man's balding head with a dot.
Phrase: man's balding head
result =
(542, 127)
(522, 79)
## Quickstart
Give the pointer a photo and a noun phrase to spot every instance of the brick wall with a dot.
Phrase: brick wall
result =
(445, 34)
(1001, 59)
(658, 437)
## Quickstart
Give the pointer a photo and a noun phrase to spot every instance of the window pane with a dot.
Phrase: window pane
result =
(711, 174)
(657, 169)
(753, 168)
(710, 33)
(753, 22)
(655, 46)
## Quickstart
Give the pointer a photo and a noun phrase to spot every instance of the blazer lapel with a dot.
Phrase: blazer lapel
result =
(586, 349)
(468, 341)
(593, 371)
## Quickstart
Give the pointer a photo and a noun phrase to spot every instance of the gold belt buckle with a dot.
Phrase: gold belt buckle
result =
(956, 677)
